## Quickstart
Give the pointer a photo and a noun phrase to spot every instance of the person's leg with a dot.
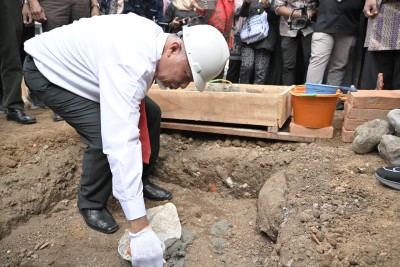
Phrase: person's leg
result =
(289, 52)
(58, 13)
(150, 190)
(234, 71)
(261, 64)
(246, 68)
(84, 116)
(376, 62)
(10, 64)
(396, 70)
(306, 45)
(80, 9)
(321, 48)
(339, 58)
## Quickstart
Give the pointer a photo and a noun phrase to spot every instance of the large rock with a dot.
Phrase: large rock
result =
(369, 135)
(389, 149)
(394, 120)
(270, 204)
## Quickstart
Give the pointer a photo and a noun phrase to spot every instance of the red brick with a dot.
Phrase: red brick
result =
(299, 130)
(374, 99)
(364, 114)
(347, 136)
(352, 124)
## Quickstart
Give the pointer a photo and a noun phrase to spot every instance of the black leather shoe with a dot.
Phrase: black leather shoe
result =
(57, 117)
(100, 220)
(18, 115)
(154, 192)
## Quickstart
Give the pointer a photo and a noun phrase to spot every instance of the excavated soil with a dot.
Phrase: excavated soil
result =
(337, 214)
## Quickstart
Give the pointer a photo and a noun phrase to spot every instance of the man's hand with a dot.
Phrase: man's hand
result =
(146, 249)
(371, 8)
(37, 11)
(26, 16)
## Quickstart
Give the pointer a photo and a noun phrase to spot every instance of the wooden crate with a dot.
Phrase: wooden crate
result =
(258, 105)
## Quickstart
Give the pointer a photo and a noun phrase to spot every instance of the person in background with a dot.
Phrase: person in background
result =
(13, 16)
(335, 34)
(255, 56)
(151, 9)
(292, 38)
(101, 95)
(235, 58)
(178, 14)
(56, 13)
(383, 44)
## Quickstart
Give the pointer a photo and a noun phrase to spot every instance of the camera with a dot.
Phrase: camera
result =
(299, 23)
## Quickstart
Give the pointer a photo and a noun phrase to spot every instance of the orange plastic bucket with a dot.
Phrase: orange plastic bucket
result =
(313, 110)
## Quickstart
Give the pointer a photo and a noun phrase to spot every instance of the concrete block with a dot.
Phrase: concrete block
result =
(351, 124)
(374, 99)
(347, 136)
(299, 130)
(364, 114)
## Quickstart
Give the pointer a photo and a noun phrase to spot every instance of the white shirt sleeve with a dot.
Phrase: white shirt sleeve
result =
(120, 97)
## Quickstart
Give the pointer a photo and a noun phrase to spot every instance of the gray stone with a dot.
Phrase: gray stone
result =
(394, 120)
(389, 149)
(270, 205)
(175, 249)
(219, 244)
(221, 227)
(369, 135)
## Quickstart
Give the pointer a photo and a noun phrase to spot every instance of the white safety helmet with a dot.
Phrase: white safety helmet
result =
(207, 52)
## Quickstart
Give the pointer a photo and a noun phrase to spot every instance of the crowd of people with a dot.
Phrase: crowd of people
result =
(327, 41)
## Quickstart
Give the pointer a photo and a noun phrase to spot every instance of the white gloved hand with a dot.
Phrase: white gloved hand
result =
(146, 249)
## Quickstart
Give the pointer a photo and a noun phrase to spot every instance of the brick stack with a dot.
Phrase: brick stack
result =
(366, 105)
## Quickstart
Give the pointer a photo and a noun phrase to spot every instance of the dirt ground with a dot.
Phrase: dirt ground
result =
(337, 214)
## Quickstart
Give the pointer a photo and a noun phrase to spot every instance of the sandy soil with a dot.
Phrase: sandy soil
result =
(337, 213)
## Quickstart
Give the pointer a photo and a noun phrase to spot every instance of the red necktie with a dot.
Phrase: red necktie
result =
(144, 133)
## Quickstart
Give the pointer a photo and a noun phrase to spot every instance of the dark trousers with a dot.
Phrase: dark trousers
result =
(84, 116)
(64, 12)
(289, 54)
(254, 61)
(10, 64)
(233, 73)
(386, 62)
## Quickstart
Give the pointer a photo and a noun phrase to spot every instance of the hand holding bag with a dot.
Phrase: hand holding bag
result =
(255, 28)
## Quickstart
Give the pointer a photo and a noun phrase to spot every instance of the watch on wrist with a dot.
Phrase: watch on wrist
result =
(26, 2)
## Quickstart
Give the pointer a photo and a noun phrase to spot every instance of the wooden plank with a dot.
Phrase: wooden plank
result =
(261, 105)
(285, 136)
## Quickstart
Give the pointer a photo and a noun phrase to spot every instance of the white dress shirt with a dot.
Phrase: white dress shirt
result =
(111, 60)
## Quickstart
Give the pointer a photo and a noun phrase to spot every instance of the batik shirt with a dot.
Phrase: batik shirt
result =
(383, 30)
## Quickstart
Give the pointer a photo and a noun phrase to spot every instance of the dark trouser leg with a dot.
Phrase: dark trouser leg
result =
(261, 64)
(386, 62)
(150, 190)
(246, 70)
(84, 116)
(289, 52)
(10, 64)
(233, 71)
(306, 45)
(153, 114)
